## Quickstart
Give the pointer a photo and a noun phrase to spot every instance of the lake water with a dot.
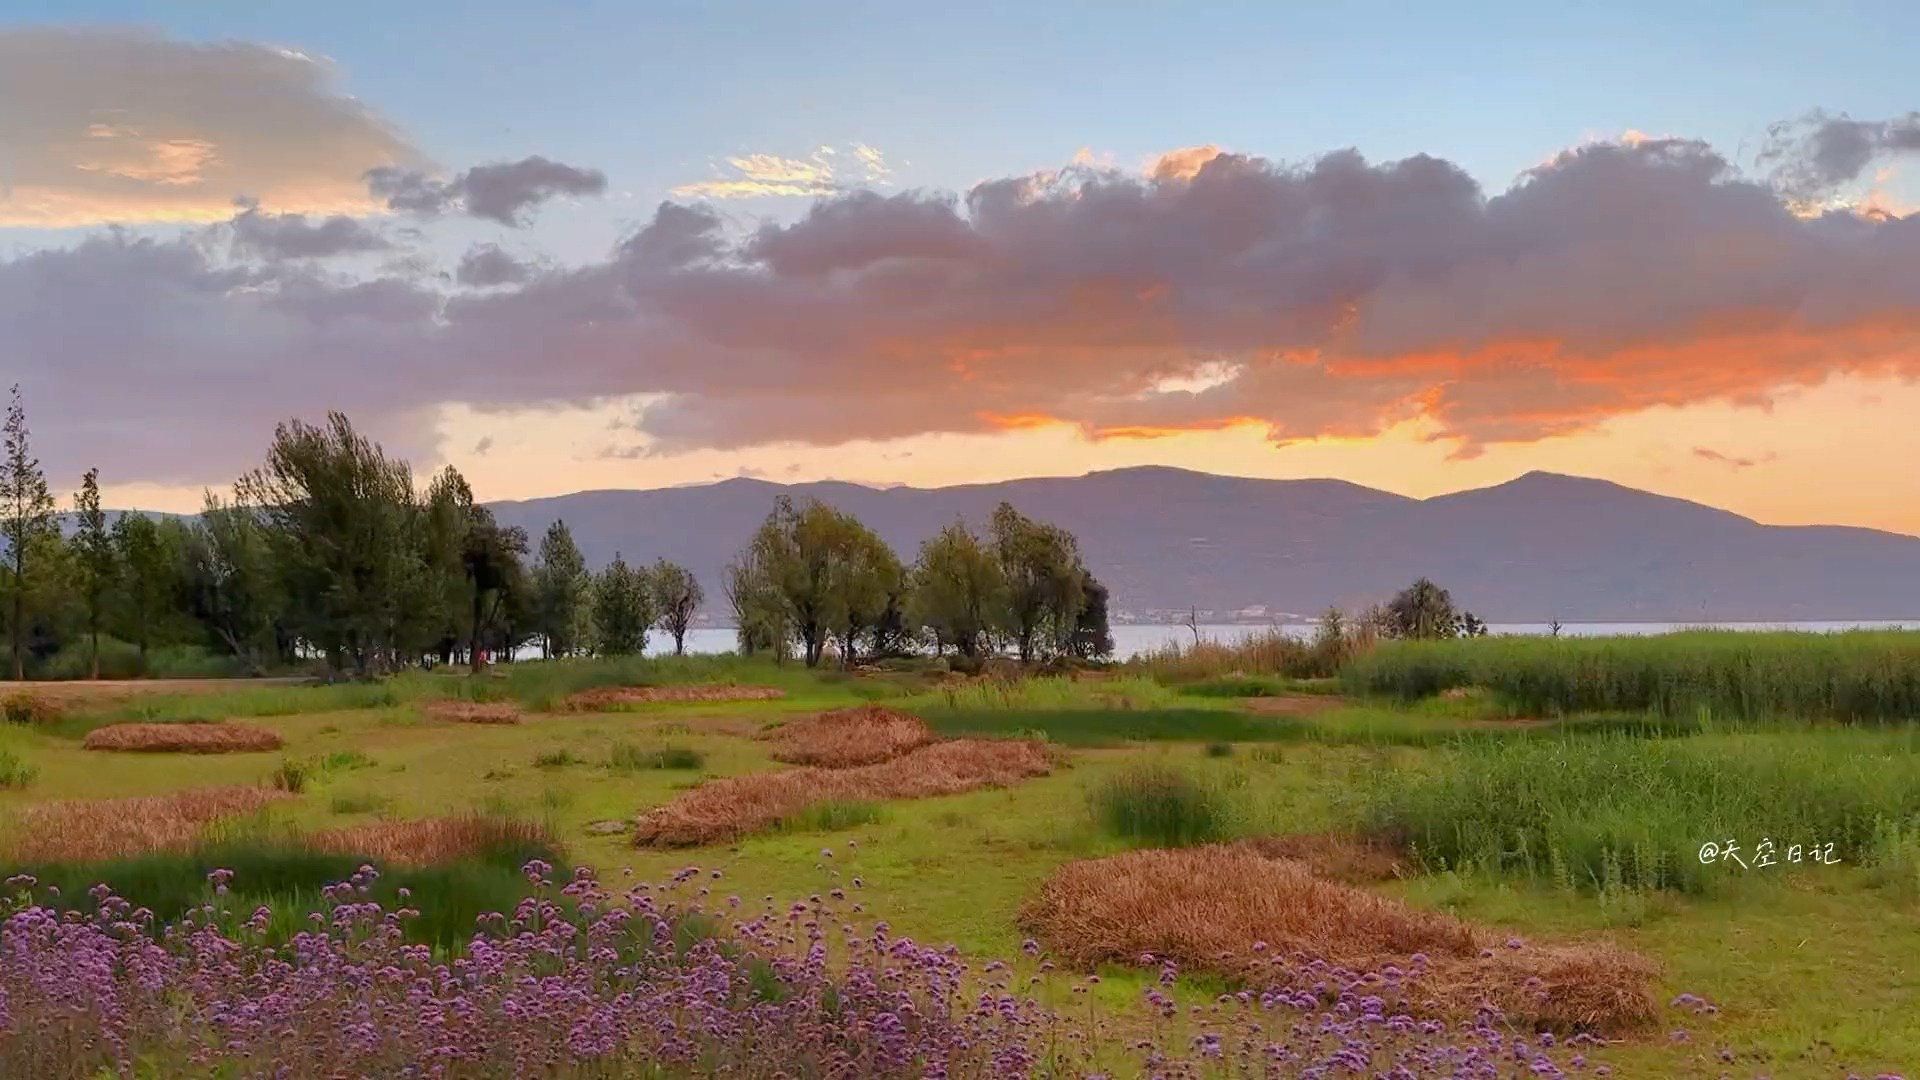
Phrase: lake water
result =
(1131, 639)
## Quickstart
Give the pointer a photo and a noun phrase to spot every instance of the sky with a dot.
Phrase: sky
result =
(592, 245)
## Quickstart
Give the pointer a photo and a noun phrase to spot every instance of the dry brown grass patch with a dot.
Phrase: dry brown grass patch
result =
(474, 712)
(850, 737)
(87, 830)
(430, 840)
(225, 737)
(1354, 859)
(30, 709)
(1208, 907)
(725, 810)
(610, 697)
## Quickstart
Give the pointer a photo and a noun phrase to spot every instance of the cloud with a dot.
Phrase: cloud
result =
(502, 192)
(1815, 154)
(1332, 298)
(485, 265)
(1735, 463)
(126, 126)
(292, 236)
(769, 175)
(485, 444)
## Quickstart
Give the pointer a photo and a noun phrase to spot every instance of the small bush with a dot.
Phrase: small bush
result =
(1219, 749)
(831, 816)
(556, 759)
(293, 774)
(15, 771)
(29, 709)
(1159, 805)
(626, 757)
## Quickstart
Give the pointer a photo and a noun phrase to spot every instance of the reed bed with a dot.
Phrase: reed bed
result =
(88, 830)
(1857, 676)
(725, 810)
(1236, 912)
(1267, 652)
(215, 738)
(849, 737)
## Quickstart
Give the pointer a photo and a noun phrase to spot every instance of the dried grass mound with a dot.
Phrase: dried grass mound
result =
(431, 840)
(88, 830)
(612, 697)
(726, 810)
(850, 737)
(1353, 859)
(30, 709)
(225, 737)
(1209, 907)
(474, 712)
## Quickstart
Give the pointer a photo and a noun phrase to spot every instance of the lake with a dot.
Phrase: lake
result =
(1131, 639)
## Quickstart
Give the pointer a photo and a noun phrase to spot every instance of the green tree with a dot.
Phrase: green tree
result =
(1040, 565)
(676, 597)
(622, 610)
(759, 616)
(148, 563)
(957, 591)
(561, 587)
(229, 584)
(26, 520)
(489, 560)
(95, 561)
(1423, 610)
(1092, 636)
(347, 533)
(826, 571)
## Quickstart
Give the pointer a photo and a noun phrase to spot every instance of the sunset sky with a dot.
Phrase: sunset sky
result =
(633, 245)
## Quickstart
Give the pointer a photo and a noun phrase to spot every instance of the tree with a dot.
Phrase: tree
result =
(26, 520)
(229, 583)
(824, 571)
(1192, 622)
(759, 617)
(621, 610)
(1040, 566)
(1471, 626)
(957, 590)
(676, 596)
(346, 531)
(94, 558)
(1423, 610)
(149, 567)
(561, 587)
(1092, 636)
(489, 559)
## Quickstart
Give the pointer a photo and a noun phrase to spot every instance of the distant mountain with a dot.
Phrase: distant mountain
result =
(1539, 547)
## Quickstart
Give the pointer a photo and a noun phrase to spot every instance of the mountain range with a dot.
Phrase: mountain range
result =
(1540, 547)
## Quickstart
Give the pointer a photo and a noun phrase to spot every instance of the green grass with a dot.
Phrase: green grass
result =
(627, 757)
(1048, 694)
(832, 816)
(1862, 676)
(557, 759)
(1246, 686)
(356, 802)
(15, 770)
(1159, 805)
(1635, 812)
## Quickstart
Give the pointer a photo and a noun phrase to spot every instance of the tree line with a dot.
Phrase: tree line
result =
(329, 550)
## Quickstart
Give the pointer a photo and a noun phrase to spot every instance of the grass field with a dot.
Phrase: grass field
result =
(1564, 799)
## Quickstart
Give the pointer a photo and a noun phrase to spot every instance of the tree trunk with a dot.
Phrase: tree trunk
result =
(19, 626)
(473, 638)
(93, 661)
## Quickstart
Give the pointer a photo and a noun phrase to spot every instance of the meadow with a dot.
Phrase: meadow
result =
(1438, 857)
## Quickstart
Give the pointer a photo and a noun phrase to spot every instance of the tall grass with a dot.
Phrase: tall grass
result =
(15, 770)
(1104, 727)
(1159, 805)
(1871, 676)
(1619, 810)
(1269, 652)
(121, 660)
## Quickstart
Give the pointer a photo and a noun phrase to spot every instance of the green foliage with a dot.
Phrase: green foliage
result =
(1893, 856)
(626, 757)
(361, 802)
(676, 596)
(1219, 749)
(293, 774)
(15, 770)
(832, 816)
(562, 589)
(1092, 636)
(814, 573)
(1101, 727)
(1639, 809)
(1044, 583)
(26, 522)
(1861, 676)
(95, 560)
(622, 610)
(958, 591)
(229, 583)
(557, 759)
(1159, 805)
(147, 555)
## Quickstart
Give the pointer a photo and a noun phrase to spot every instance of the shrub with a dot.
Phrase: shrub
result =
(28, 709)
(557, 759)
(626, 757)
(1219, 749)
(15, 771)
(1160, 805)
(292, 775)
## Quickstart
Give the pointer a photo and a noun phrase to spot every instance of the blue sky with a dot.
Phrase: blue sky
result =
(653, 93)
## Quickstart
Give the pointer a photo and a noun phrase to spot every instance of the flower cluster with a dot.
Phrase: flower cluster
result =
(665, 980)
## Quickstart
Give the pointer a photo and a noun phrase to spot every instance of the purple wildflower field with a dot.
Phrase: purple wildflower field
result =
(584, 981)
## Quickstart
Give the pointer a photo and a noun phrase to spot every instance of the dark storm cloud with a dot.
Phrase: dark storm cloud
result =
(501, 192)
